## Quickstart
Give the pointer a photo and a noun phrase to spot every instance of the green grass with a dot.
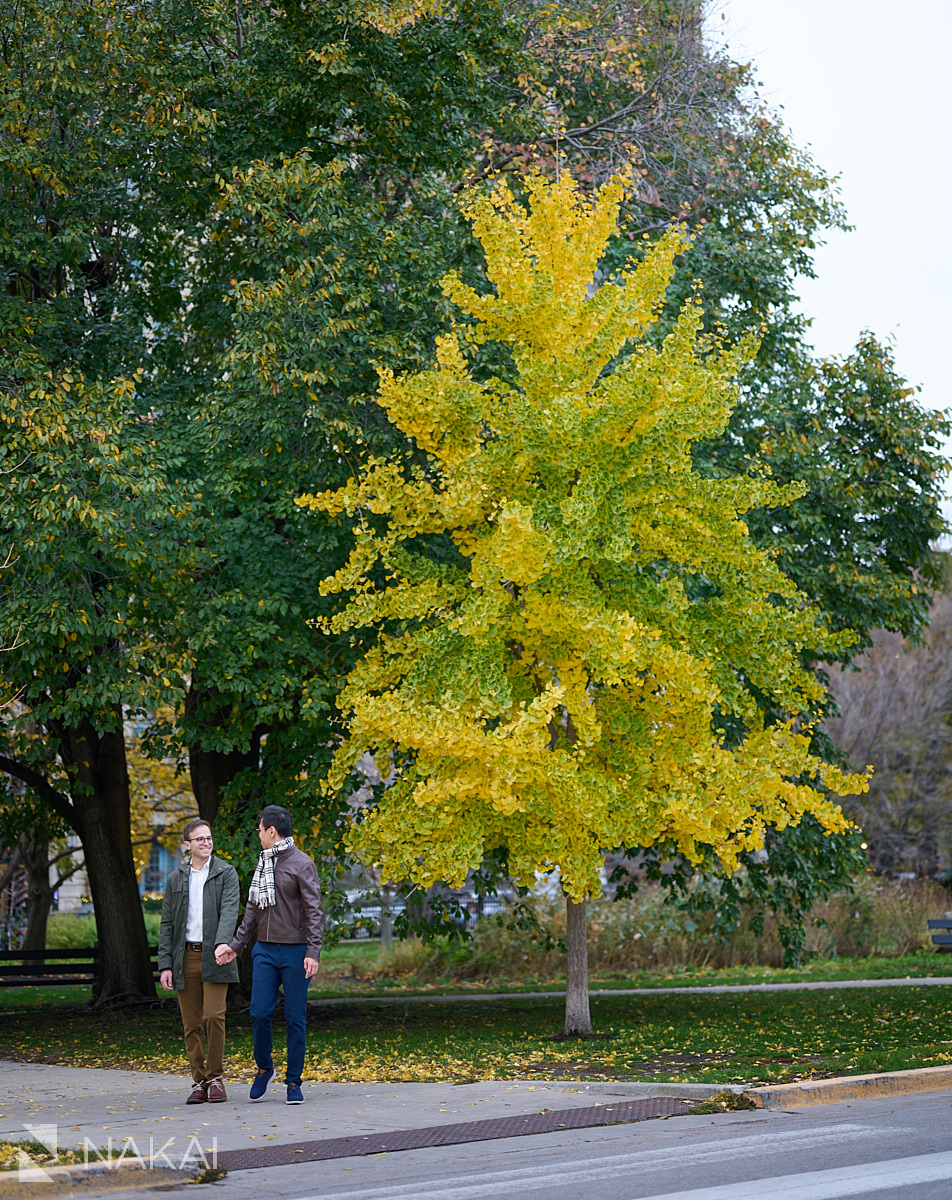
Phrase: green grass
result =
(30, 999)
(724, 1039)
(759, 1038)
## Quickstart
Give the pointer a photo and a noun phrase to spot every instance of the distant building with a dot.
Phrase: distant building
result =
(161, 861)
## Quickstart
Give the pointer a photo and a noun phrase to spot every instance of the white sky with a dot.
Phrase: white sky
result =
(864, 84)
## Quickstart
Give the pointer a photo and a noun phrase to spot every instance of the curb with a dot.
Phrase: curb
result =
(644, 1091)
(78, 1178)
(851, 1087)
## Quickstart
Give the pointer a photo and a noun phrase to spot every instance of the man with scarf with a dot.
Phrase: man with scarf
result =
(284, 909)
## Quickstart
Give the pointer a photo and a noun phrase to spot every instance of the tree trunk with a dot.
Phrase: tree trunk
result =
(97, 808)
(386, 918)
(39, 894)
(578, 1021)
(212, 770)
(101, 817)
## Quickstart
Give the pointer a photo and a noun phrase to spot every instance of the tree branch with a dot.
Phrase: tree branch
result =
(59, 802)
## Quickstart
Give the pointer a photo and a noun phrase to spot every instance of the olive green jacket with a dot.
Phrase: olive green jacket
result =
(220, 900)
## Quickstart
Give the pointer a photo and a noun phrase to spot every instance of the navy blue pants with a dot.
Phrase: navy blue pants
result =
(279, 965)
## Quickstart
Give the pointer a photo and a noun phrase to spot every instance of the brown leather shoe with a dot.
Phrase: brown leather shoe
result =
(216, 1092)
(199, 1094)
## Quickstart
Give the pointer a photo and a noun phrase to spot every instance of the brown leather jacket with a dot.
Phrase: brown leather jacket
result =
(297, 914)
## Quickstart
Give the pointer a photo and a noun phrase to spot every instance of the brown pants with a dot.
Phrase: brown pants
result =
(202, 1006)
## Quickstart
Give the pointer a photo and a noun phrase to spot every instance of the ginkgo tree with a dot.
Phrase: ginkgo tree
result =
(579, 667)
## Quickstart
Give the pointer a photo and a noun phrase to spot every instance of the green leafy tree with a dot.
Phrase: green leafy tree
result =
(92, 103)
(862, 540)
(89, 513)
(580, 674)
(158, 554)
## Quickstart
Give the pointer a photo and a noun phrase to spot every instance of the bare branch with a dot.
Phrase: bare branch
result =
(16, 860)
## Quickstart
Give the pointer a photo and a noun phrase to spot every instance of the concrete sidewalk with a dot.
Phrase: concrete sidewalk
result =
(86, 1103)
(147, 1115)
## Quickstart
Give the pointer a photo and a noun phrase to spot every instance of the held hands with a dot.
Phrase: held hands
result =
(165, 978)
(225, 954)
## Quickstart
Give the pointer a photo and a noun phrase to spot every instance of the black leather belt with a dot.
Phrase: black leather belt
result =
(194, 946)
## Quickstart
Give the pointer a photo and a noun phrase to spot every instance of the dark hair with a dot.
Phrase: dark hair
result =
(273, 815)
(192, 826)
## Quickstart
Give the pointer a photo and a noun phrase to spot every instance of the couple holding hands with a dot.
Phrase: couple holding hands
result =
(198, 947)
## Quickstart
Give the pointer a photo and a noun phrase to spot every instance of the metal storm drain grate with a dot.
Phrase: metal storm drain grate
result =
(451, 1135)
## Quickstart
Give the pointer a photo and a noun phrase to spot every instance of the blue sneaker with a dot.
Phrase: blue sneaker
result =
(295, 1095)
(259, 1085)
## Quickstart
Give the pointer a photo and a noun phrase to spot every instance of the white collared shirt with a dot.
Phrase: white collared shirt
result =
(196, 886)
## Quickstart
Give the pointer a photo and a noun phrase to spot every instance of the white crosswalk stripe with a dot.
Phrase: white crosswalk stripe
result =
(623, 1167)
(833, 1184)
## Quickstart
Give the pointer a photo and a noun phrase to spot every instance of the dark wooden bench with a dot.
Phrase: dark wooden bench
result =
(47, 968)
(36, 968)
(943, 940)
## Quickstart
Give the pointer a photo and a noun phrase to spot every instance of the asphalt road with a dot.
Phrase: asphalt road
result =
(896, 1149)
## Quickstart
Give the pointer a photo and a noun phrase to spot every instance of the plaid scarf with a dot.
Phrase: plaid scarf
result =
(261, 892)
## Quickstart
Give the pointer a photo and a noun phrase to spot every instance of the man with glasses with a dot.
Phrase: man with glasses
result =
(199, 911)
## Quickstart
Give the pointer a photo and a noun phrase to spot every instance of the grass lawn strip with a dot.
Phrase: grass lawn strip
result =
(751, 1039)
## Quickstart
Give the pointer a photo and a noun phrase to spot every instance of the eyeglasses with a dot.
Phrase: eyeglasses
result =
(208, 840)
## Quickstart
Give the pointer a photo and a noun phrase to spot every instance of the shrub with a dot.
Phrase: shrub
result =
(640, 934)
(69, 931)
(408, 957)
